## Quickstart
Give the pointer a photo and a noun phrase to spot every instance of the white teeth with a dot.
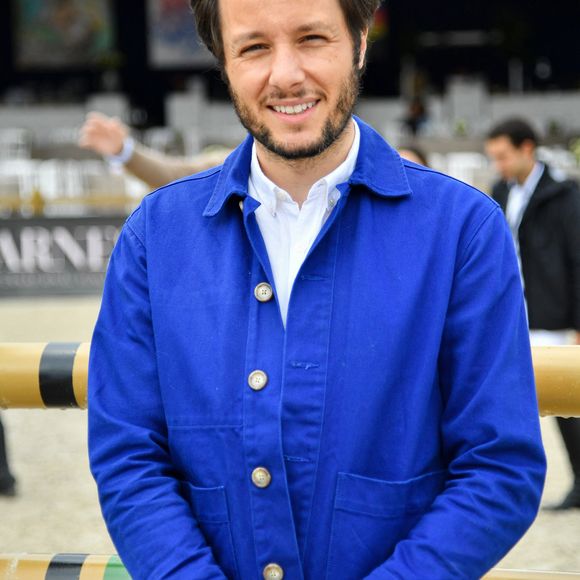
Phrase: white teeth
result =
(294, 110)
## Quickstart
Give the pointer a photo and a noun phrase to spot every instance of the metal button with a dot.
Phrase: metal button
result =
(263, 292)
(242, 206)
(261, 477)
(258, 380)
(273, 572)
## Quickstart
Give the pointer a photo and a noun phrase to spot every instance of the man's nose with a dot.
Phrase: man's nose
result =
(287, 70)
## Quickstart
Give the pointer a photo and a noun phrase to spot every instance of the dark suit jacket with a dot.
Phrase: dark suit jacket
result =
(549, 238)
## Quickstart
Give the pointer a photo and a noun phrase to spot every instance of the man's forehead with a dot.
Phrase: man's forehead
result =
(252, 18)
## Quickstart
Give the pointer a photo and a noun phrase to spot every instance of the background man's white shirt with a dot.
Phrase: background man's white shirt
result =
(518, 199)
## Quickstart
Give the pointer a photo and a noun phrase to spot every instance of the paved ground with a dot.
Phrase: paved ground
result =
(57, 509)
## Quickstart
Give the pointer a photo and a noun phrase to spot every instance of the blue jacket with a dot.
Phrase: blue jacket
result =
(399, 421)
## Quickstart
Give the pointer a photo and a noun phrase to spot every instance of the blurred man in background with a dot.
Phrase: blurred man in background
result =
(543, 212)
(7, 481)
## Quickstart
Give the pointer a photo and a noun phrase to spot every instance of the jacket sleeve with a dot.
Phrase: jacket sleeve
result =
(490, 426)
(151, 525)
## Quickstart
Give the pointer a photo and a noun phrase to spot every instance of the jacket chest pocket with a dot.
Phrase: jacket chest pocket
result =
(209, 506)
(371, 516)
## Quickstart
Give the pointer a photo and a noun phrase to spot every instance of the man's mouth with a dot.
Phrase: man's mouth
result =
(294, 110)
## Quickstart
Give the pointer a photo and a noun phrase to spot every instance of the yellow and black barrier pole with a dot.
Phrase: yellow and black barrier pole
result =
(61, 567)
(44, 375)
(89, 567)
(55, 375)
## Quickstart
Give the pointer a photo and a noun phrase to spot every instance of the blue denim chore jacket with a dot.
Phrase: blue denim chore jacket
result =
(394, 420)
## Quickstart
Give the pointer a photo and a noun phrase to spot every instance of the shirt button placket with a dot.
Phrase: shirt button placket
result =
(272, 523)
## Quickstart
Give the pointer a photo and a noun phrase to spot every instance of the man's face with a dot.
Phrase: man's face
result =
(511, 162)
(291, 72)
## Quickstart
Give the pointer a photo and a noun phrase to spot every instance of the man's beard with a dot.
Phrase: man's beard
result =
(332, 130)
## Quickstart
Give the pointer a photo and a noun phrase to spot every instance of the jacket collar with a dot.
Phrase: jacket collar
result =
(547, 188)
(379, 168)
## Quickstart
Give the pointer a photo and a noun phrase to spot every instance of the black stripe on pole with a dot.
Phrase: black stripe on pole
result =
(65, 567)
(55, 374)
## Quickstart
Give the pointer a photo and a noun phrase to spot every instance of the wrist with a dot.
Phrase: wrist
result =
(124, 155)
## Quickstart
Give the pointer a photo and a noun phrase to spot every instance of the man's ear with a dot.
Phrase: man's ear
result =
(529, 147)
(363, 48)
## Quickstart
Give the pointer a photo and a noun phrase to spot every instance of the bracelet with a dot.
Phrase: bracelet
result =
(125, 154)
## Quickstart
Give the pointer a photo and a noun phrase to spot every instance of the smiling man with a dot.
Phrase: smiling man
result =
(312, 361)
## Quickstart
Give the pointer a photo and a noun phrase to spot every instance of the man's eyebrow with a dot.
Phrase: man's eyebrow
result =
(310, 27)
(316, 26)
(243, 38)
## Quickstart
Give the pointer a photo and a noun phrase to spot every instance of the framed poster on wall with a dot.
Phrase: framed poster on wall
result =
(62, 33)
(173, 41)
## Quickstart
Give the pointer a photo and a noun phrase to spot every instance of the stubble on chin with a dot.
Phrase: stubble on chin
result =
(331, 133)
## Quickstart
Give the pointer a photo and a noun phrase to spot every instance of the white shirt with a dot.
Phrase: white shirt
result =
(517, 202)
(519, 197)
(288, 230)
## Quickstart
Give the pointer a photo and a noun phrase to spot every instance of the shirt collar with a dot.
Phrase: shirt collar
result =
(378, 168)
(534, 178)
(270, 194)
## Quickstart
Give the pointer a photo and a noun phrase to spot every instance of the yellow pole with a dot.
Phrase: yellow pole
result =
(557, 371)
(45, 375)
(13, 567)
(499, 574)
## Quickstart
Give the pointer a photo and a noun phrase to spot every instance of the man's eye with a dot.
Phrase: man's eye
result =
(313, 38)
(253, 48)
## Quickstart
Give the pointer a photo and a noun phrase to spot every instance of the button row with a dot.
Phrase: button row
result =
(261, 477)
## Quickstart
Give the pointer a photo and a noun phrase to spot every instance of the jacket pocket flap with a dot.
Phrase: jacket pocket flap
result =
(387, 498)
(208, 503)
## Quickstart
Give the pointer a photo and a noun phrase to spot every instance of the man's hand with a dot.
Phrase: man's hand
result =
(102, 134)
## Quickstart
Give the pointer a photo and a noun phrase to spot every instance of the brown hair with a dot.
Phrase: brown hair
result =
(358, 15)
(516, 130)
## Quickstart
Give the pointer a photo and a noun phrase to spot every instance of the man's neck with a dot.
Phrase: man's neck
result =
(526, 172)
(298, 176)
